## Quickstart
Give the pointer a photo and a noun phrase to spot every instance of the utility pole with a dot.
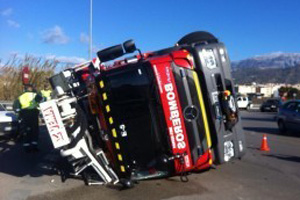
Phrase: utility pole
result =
(91, 31)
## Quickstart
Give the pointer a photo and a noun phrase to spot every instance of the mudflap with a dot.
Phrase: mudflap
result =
(214, 71)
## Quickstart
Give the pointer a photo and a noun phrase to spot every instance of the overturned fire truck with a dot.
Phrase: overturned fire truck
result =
(159, 114)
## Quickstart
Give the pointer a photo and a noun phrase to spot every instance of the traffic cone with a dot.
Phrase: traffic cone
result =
(264, 144)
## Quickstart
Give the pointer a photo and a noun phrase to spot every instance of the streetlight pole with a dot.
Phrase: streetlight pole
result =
(91, 30)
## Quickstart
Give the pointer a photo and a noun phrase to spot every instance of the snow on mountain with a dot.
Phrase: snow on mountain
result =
(272, 60)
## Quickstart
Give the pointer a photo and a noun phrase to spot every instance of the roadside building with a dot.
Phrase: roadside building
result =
(265, 90)
(246, 89)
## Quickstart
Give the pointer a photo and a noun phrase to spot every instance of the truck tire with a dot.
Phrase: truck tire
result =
(196, 37)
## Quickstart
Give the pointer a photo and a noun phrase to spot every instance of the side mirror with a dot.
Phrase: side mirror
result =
(129, 46)
(110, 53)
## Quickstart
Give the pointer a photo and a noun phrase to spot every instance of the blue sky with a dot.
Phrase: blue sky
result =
(59, 28)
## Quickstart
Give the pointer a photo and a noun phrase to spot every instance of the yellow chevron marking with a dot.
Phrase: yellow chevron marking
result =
(107, 108)
(122, 168)
(114, 132)
(120, 157)
(104, 96)
(117, 145)
(204, 116)
(111, 121)
(101, 84)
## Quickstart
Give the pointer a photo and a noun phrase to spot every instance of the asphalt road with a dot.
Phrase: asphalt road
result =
(259, 175)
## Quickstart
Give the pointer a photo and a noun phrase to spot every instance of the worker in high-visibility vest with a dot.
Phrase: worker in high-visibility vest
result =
(46, 92)
(27, 107)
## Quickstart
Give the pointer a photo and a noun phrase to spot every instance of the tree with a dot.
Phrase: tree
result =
(289, 92)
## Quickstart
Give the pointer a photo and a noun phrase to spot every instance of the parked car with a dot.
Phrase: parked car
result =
(271, 105)
(8, 106)
(288, 117)
(244, 103)
(8, 122)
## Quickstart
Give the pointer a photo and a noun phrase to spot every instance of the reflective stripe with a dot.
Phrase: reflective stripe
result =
(26, 144)
(101, 84)
(204, 116)
(114, 132)
(111, 121)
(120, 158)
(117, 145)
(104, 96)
(35, 143)
(27, 100)
(107, 108)
(46, 94)
(122, 168)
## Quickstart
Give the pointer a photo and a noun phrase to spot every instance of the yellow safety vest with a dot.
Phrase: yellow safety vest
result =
(46, 94)
(27, 100)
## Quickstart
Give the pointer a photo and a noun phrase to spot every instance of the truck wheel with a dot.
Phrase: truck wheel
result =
(198, 36)
(281, 126)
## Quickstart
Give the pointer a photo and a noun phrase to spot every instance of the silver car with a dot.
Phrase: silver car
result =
(8, 121)
(288, 118)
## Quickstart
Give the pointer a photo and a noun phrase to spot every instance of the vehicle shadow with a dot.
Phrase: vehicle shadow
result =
(274, 131)
(16, 162)
(285, 157)
(263, 130)
(259, 119)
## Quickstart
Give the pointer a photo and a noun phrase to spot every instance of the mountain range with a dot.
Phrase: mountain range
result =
(269, 68)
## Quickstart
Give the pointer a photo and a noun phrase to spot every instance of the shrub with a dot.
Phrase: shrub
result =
(11, 75)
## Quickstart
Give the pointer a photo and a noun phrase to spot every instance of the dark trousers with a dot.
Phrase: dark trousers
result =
(30, 126)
